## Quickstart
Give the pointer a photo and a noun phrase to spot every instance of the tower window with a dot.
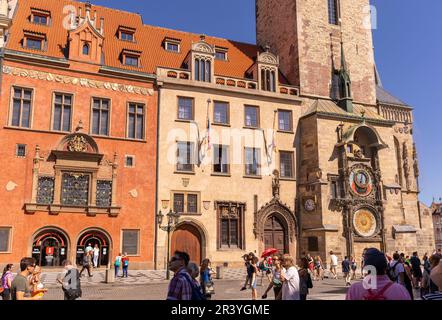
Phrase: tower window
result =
(333, 11)
(86, 49)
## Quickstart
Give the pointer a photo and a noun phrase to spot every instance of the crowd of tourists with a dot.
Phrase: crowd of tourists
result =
(382, 277)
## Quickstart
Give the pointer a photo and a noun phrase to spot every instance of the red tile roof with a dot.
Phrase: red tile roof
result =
(148, 39)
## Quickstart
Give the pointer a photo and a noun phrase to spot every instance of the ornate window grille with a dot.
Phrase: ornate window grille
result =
(45, 190)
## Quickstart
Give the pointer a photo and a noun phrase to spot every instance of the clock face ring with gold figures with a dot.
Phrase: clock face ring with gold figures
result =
(366, 222)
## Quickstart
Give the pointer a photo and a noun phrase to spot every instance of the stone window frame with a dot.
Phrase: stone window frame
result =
(126, 30)
(292, 156)
(336, 5)
(144, 107)
(40, 13)
(185, 203)
(138, 241)
(28, 35)
(54, 93)
(88, 163)
(10, 239)
(223, 146)
(269, 78)
(258, 116)
(259, 162)
(125, 53)
(192, 154)
(227, 123)
(31, 111)
(133, 161)
(223, 51)
(17, 147)
(291, 121)
(109, 124)
(192, 118)
(240, 228)
(172, 41)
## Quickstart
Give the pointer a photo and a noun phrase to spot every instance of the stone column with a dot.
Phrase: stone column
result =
(114, 180)
(35, 171)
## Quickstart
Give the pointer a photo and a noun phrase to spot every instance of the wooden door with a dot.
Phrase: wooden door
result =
(187, 238)
(275, 235)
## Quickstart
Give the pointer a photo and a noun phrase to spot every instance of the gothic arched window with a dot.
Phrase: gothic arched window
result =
(86, 49)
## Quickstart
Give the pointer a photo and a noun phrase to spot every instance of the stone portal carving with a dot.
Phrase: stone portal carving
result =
(275, 184)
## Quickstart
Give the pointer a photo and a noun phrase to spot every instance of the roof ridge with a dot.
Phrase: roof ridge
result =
(107, 8)
(196, 34)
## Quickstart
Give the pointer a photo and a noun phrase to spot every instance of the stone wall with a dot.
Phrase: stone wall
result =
(299, 32)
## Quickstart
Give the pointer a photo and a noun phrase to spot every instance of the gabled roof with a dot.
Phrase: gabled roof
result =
(328, 107)
(148, 39)
(384, 97)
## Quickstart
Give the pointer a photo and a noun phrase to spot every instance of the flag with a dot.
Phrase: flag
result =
(271, 148)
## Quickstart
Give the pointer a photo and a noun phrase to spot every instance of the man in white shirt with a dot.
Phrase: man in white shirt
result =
(290, 279)
(333, 264)
(96, 251)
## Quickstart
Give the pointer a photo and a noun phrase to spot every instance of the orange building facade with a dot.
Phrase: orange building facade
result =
(78, 132)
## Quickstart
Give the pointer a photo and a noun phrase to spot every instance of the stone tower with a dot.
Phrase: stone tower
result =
(309, 46)
(357, 166)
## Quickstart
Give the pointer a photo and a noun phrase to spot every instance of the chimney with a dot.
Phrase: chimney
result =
(102, 26)
(80, 10)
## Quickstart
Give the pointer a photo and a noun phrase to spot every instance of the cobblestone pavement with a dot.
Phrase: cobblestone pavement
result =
(225, 290)
(49, 279)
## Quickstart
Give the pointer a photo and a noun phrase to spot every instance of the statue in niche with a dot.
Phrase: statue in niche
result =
(406, 166)
(275, 184)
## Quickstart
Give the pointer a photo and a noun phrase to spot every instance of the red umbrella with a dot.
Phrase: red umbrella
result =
(269, 252)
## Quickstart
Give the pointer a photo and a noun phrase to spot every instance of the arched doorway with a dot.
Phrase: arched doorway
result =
(90, 238)
(50, 248)
(275, 235)
(187, 238)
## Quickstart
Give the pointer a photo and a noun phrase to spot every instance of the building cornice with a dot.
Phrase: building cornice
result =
(36, 59)
(170, 83)
(334, 116)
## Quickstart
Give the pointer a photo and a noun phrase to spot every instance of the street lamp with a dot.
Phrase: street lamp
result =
(172, 221)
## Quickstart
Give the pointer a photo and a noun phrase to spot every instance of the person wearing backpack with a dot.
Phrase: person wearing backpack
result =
(385, 288)
(197, 291)
(70, 281)
(396, 271)
(305, 279)
(117, 264)
(125, 262)
(180, 288)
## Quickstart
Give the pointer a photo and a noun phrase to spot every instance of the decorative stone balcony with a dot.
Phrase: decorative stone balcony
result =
(166, 74)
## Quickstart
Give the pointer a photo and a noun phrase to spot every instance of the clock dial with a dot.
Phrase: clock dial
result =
(310, 205)
(361, 182)
(365, 223)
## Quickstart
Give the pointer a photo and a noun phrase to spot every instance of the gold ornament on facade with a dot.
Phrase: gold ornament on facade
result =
(77, 144)
(365, 223)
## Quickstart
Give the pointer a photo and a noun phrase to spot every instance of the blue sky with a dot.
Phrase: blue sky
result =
(408, 49)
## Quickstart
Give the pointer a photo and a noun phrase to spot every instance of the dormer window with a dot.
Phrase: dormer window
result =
(126, 34)
(172, 45)
(131, 58)
(40, 16)
(221, 53)
(203, 69)
(34, 41)
(268, 80)
(268, 70)
(86, 49)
